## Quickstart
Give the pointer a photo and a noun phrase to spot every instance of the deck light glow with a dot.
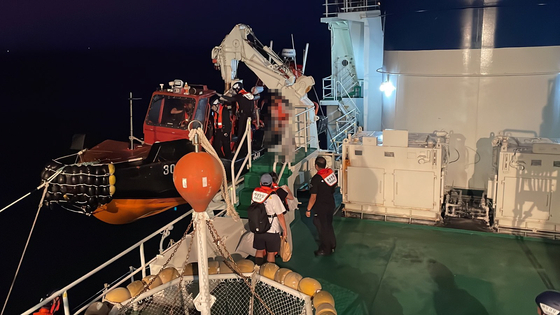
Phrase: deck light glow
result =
(387, 87)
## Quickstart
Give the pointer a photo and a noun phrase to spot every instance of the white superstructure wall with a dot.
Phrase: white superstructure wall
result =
(475, 93)
(364, 41)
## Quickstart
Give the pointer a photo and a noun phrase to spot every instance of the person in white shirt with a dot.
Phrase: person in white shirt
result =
(269, 242)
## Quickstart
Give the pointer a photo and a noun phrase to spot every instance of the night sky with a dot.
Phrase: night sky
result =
(67, 67)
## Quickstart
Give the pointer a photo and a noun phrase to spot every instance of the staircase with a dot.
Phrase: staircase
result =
(253, 178)
(265, 164)
(342, 87)
(292, 174)
(342, 112)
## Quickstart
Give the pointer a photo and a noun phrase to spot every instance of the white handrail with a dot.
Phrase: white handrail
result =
(305, 111)
(234, 178)
(348, 94)
(282, 171)
(110, 261)
(327, 86)
(342, 131)
(221, 213)
(348, 6)
(305, 128)
(116, 284)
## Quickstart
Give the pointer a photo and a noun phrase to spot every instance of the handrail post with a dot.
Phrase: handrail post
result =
(232, 191)
(132, 274)
(282, 171)
(65, 302)
(249, 142)
(143, 260)
(332, 79)
(249, 156)
(233, 179)
(305, 132)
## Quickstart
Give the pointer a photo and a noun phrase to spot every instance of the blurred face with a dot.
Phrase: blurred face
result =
(236, 87)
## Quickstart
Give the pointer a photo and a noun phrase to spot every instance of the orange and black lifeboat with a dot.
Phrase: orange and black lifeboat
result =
(117, 185)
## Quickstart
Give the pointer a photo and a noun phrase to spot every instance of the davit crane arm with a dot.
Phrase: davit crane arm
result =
(242, 45)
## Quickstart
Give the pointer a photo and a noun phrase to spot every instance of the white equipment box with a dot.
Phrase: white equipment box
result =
(395, 138)
(526, 191)
(401, 181)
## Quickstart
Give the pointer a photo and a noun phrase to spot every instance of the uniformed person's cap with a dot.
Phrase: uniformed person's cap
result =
(549, 302)
(266, 179)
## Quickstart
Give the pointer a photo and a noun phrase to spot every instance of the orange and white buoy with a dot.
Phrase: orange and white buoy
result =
(197, 178)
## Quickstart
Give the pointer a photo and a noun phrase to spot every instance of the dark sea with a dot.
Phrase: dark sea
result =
(46, 98)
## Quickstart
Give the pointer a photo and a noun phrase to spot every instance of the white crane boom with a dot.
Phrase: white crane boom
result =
(242, 45)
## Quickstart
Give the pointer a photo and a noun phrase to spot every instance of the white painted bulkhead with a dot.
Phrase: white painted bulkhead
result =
(475, 93)
(365, 47)
(367, 40)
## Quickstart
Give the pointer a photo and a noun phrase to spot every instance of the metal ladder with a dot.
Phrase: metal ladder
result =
(344, 119)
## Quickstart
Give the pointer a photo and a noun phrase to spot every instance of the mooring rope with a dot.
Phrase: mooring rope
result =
(230, 209)
(46, 184)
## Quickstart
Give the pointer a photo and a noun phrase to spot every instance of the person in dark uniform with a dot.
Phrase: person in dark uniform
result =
(323, 185)
(179, 112)
(175, 115)
(245, 108)
(222, 128)
(548, 303)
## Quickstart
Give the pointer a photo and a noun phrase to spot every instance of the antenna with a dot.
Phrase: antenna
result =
(304, 58)
(294, 48)
(270, 57)
(132, 137)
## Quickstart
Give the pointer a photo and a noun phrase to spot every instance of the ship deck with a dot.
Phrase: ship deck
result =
(396, 268)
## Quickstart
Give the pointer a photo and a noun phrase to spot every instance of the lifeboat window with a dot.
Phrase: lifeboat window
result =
(153, 113)
(177, 111)
(200, 114)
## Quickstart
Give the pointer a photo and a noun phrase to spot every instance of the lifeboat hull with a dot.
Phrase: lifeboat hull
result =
(142, 182)
(122, 211)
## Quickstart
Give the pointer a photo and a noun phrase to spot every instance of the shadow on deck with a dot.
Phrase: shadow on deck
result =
(395, 268)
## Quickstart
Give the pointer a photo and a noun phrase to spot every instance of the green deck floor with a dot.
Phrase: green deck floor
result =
(395, 268)
(264, 165)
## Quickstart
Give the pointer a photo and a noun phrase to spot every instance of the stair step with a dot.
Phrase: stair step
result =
(245, 196)
(252, 179)
(331, 102)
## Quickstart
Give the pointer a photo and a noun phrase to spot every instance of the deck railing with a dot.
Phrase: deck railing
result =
(334, 89)
(329, 90)
(248, 159)
(302, 132)
(334, 7)
(142, 268)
